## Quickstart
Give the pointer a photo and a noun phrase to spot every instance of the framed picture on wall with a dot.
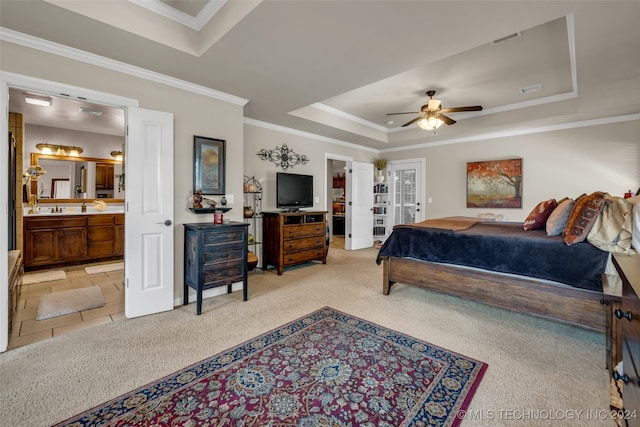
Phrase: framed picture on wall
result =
(208, 165)
(494, 184)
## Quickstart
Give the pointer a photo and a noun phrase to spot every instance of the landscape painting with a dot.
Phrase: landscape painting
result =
(494, 184)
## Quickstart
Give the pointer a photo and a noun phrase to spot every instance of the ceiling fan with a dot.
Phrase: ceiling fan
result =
(431, 116)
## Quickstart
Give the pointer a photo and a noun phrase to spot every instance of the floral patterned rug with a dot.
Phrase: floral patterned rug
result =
(325, 369)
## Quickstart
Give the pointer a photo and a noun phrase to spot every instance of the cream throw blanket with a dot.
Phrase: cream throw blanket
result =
(613, 228)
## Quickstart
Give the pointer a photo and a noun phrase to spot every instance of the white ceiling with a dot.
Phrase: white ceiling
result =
(335, 68)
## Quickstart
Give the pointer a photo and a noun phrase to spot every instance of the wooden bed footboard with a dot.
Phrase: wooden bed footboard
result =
(574, 306)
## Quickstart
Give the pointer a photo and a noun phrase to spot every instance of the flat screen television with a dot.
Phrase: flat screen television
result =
(293, 191)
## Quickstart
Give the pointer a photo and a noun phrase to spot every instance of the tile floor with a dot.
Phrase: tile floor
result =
(26, 329)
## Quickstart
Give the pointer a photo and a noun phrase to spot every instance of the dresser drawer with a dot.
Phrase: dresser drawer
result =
(217, 238)
(302, 256)
(303, 230)
(223, 256)
(299, 244)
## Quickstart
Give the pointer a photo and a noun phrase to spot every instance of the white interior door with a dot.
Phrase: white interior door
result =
(149, 229)
(407, 205)
(359, 233)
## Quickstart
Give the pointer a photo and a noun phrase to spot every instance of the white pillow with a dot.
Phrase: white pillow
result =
(635, 235)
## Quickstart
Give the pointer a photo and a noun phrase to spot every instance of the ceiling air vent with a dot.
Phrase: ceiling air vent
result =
(509, 37)
(529, 89)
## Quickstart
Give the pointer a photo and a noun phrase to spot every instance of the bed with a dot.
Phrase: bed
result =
(500, 264)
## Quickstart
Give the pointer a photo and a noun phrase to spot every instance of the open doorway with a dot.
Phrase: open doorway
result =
(336, 198)
(47, 132)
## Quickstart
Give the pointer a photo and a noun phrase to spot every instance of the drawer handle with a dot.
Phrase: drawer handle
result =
(619, 315)
(623, 377)
(224, 256)
(605, 302)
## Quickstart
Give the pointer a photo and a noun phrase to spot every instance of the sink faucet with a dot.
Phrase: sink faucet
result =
(84, 207)
(56, 209)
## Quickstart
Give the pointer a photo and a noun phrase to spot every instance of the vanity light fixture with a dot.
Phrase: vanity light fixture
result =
(117, 155)
(60, 150)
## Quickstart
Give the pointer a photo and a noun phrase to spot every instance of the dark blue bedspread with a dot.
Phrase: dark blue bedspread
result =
(503, 247)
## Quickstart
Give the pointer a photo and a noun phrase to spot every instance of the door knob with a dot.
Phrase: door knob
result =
(167, 222)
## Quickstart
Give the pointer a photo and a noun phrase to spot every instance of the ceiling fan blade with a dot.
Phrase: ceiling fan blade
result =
(409, 112)
(459, 109)
(447, 120)
(410, 122)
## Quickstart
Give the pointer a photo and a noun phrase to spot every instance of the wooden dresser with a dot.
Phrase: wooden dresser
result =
(628, 268)
(214, 255)
(292, 238)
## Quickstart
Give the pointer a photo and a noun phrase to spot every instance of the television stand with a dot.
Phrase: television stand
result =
(292, 238)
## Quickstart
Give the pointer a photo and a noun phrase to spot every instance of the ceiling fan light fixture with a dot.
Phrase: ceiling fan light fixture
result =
(429, 123)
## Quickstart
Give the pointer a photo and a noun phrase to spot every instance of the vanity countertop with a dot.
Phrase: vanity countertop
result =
(74, 211)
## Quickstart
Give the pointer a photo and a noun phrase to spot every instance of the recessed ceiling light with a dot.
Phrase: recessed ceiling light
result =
(389, 122)
(91, 111)
(529, 89)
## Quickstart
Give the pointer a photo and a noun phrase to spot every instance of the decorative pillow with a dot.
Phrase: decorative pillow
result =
(582, 217)
(558, 219)
(538, 216)
(635, 234)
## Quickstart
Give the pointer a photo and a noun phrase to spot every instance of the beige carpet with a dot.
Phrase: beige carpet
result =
(534, 364)
(71, 301)
(104, 268)
(45, 276)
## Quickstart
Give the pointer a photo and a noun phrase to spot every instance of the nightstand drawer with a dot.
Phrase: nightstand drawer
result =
(216, 237)
(303, 230)
(223, 256)
(223, 276)
(306, 243)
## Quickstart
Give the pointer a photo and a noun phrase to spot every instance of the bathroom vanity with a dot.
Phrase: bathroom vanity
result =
(61, 239)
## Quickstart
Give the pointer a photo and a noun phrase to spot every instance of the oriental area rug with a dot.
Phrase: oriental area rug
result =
(325, 369)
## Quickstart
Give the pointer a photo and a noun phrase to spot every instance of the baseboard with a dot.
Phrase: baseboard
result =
(207, 293)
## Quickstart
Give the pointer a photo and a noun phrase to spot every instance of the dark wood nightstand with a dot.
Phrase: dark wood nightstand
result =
(214, 255)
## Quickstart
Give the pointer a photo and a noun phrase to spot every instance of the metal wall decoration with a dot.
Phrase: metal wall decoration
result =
(283, 157)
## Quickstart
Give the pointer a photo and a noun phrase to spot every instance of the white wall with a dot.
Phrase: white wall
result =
(257, 138)
(556, 164)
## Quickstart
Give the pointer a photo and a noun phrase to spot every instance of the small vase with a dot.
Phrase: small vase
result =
(223, 201)
(248, 212)
(380, 176)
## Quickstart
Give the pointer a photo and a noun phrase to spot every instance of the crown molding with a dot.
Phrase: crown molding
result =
(195, 23)
(528, 131)
(291, 131)
(26, 40)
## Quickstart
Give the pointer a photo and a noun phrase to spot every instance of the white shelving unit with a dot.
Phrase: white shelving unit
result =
(381, 226)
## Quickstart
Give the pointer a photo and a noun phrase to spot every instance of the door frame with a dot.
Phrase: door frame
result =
(328, 181)
(56, 89)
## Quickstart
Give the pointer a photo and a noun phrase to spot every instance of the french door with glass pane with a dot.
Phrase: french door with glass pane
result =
(407, 188)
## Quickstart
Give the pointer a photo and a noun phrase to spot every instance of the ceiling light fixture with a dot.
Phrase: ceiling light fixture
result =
(429, 123)
(91, 111)
(43, 101)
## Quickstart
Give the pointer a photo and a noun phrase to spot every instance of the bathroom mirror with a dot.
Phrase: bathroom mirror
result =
(70, 179)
